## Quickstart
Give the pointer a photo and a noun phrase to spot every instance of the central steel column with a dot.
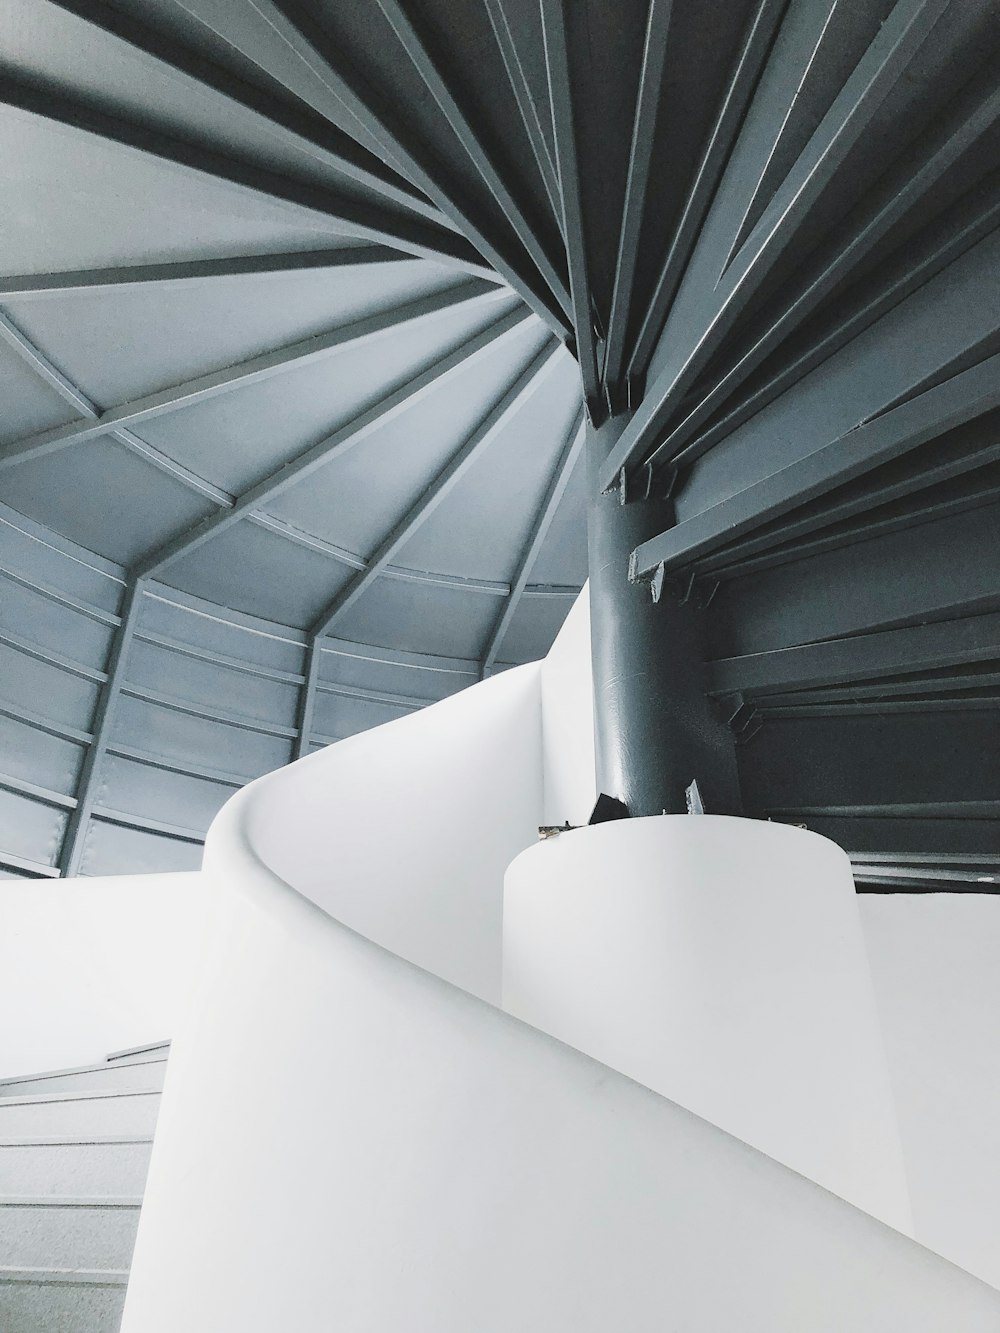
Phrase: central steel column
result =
(656, 731)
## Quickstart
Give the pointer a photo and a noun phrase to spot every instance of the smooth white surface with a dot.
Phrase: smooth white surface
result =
(935, 960)
(416, 1160)
(720, 962)
(89, 966)
(404, 832)
(568, 778)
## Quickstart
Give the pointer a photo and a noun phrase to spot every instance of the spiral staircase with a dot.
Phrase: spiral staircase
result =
(312, 319)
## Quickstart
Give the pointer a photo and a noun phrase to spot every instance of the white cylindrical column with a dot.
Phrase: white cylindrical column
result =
(720, 962)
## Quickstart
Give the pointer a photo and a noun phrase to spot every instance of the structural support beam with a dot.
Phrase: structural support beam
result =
(852, 112)
(869, 445)
(35, 286)
(302, 31)
(257, 368)
(974, 116)
(536, 538)
(288, 122)
(354, 433)
(407, 30)
(751, 60)
(567, 161)
(655, 728)
(902, 282)
(526, 384)
(892, 652)
(306, 710)
(69, 393)
(74, 838)
(647, 105)
(341, 213)
(525, 102)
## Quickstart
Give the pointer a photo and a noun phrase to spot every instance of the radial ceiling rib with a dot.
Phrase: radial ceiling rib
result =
(104, 718)
(974, 116)
(540, 528)
(306, 711)
(524, 386)
(890, 652)
(567, 162)
(885, 61)
(72, 395)
(257, 368)
(912, 423)
(349, 216)
(345, 438)
(402, 22)
(753, 54)
(30, 286)
(647, 105)
(299, 28)
(288, 121)
(526, 107)
(983, 220)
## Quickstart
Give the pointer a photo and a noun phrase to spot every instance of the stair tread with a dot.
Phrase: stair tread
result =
(77, 1141)
(104, 1068)
(138, 1050)
(105, 1277)
(70, 1201)
(47, 1098)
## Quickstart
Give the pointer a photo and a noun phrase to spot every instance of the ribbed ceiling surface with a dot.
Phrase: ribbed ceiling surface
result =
(302, 303)
(256, 386)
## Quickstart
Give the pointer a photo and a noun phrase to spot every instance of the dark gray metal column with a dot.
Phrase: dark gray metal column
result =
(656, 729)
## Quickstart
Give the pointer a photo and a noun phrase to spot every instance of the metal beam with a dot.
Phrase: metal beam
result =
(875, 304)
(345, 438)
(34, 286)
(753, 54)
(289, 122)
(78, 823)
(895, 432)
(891, 652)
(976, 113)
(342, 213)
(69, 393)
(307, 700)
(417, 48)
(525, 102)
(268, 364)
(873, 78)
(299, 27)
(567, 162)
(523, 387)
(568, 459)
(647, 106)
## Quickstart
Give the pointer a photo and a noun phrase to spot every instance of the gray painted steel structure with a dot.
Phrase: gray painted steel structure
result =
(282, 297)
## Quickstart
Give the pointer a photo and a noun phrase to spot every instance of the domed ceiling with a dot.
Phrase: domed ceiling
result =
(301, 302)
(283, 454)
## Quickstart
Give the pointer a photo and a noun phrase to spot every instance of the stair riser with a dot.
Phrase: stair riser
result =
(109, 1078)
(84, 1170)
(102, 1115)
(67, 1237)
(31, 1308)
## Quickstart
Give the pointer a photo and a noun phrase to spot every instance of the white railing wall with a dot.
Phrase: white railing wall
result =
(354, 1137)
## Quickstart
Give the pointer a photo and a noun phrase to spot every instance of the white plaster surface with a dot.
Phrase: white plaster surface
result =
(417, 1160)
(935, 961)
(568, 777)
(89, 966)
(720, 962)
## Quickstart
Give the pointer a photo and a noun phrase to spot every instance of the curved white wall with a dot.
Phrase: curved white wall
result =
(350, 1142)
(720, 962)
